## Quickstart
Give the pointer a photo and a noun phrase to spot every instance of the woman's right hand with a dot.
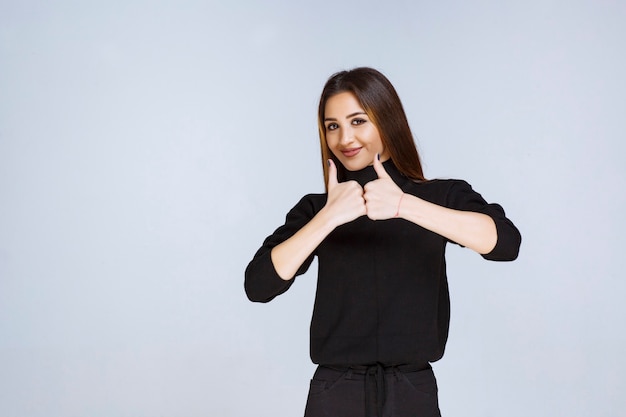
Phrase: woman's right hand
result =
(345, 200)
(345, 203)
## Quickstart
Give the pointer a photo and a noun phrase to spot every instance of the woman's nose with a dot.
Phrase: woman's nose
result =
(346, 135)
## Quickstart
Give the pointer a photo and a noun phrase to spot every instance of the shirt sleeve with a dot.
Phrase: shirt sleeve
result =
(461, 196)
(262, 283)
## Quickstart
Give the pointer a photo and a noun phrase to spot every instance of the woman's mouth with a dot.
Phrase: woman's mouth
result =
(350, 152)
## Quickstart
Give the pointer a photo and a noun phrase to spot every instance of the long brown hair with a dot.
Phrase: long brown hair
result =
(384, 108)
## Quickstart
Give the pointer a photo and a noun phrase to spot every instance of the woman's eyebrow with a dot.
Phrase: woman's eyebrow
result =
(347, 117)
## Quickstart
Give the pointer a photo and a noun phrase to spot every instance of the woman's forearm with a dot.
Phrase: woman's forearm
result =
(290, 254)
(476, 231)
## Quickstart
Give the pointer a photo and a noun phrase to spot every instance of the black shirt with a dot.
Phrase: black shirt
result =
(382, 292)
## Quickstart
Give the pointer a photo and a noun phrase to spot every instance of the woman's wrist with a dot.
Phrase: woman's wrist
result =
(399, 205)
(326, 220)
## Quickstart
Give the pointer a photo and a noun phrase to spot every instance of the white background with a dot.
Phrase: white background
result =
(147, 148)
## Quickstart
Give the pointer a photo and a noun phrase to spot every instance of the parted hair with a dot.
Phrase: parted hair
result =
(382, 104)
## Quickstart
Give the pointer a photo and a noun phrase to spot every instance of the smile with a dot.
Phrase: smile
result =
(351, 152)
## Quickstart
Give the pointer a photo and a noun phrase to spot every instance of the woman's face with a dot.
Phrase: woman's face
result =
(350, 134)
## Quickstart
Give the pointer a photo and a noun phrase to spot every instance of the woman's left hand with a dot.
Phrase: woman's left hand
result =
(382, 196)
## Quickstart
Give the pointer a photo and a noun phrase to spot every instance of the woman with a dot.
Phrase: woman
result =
(381, 313)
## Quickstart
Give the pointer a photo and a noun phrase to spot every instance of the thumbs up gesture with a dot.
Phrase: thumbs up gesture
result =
(382, 196)
(345, 200)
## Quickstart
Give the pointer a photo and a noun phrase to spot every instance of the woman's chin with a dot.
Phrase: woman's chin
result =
(355, 166)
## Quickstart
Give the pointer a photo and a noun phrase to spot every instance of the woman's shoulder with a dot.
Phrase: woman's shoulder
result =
(439, 190)
(440, 184)
(310, 203)
(313, 198)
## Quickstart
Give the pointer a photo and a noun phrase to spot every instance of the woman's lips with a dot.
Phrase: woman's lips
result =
(350, 152)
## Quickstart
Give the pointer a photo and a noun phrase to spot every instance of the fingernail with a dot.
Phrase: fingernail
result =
(328, 162)
(378, 156)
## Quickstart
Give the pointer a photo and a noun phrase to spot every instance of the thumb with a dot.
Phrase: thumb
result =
(332, 174)
(379, 168)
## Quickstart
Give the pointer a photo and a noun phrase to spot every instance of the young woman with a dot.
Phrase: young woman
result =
(382, 307)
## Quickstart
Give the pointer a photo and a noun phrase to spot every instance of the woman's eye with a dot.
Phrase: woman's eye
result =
(332, 126)
(358, 121)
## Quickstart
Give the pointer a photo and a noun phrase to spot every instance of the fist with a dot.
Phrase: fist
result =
(345, 200)
(382, 196)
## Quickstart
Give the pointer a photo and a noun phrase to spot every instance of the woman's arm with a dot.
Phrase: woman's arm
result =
(290, 254)
(289, 250)
(477, 231)
(345, 203)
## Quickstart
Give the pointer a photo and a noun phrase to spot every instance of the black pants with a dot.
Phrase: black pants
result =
(373, 391)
